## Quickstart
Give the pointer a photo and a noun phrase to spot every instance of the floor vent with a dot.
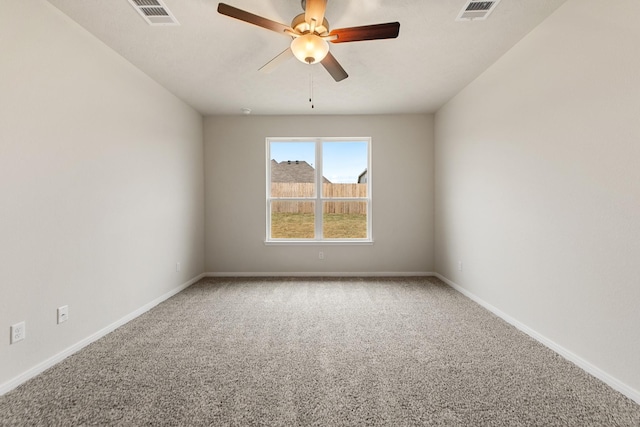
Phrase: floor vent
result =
(475, 10)
(154, 12)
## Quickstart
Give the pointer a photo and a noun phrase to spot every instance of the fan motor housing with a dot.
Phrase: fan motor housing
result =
(302, 27)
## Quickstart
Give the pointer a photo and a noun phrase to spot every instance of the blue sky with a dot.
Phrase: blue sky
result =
(342, 161)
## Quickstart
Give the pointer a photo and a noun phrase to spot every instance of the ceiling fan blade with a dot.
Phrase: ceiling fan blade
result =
(334, 68)
(245, 16)
(389, 30)
(275, 62)
(315, 10)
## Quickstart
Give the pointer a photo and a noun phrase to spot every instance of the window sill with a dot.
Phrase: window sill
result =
(318, 242)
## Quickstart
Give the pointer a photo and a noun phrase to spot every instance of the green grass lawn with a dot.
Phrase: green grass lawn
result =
(301, 226)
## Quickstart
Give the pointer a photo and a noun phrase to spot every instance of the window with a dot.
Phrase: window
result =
(318, 190)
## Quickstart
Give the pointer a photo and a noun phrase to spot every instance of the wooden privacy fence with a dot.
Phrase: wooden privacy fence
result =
(304, 189)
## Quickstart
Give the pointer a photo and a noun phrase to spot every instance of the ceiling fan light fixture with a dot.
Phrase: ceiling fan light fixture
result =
(309, 48)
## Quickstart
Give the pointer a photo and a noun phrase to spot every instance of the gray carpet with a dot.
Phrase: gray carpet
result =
(401, 351)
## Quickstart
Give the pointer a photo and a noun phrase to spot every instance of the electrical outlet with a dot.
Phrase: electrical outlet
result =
(178, 266)
(320, 255)
(63, 314)
(18, 332)
(459, 265)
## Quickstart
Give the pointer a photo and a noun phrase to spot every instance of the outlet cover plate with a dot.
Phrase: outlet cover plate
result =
(18, 332)
(63, 314)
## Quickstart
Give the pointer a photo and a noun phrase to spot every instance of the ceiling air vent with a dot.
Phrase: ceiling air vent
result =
(154, 12)
(476, 10)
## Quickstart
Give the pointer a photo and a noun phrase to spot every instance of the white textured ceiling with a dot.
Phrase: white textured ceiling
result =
(211, 61)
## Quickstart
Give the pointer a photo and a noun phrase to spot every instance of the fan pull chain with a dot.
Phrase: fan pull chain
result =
(311, 87)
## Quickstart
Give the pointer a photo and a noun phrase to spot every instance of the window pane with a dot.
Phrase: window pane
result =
(292, 220)
(345, 162)
(292, 169)
(344, 220)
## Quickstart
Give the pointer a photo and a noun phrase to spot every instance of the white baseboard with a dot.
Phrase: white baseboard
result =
(41, 367)
(321, 274)
(611, 381)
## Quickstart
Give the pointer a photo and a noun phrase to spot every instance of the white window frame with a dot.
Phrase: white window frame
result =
(319, 197)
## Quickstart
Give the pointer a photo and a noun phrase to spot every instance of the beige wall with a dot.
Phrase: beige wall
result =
(101, 185)
(538, 184)
(402, 178)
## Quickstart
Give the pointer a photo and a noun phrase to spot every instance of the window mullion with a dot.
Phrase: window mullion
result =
(319, 175)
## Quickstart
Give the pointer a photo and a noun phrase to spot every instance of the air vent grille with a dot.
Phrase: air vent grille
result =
(475, 10)
(480, 5)
(146, 3)
(154, 12)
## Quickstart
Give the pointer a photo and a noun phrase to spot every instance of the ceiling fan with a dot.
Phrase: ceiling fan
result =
(310, 32)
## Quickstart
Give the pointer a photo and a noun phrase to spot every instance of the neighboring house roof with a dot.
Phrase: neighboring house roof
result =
(362, 178)
(293, 171)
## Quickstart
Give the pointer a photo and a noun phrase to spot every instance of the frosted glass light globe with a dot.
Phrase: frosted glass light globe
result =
(309, 48)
